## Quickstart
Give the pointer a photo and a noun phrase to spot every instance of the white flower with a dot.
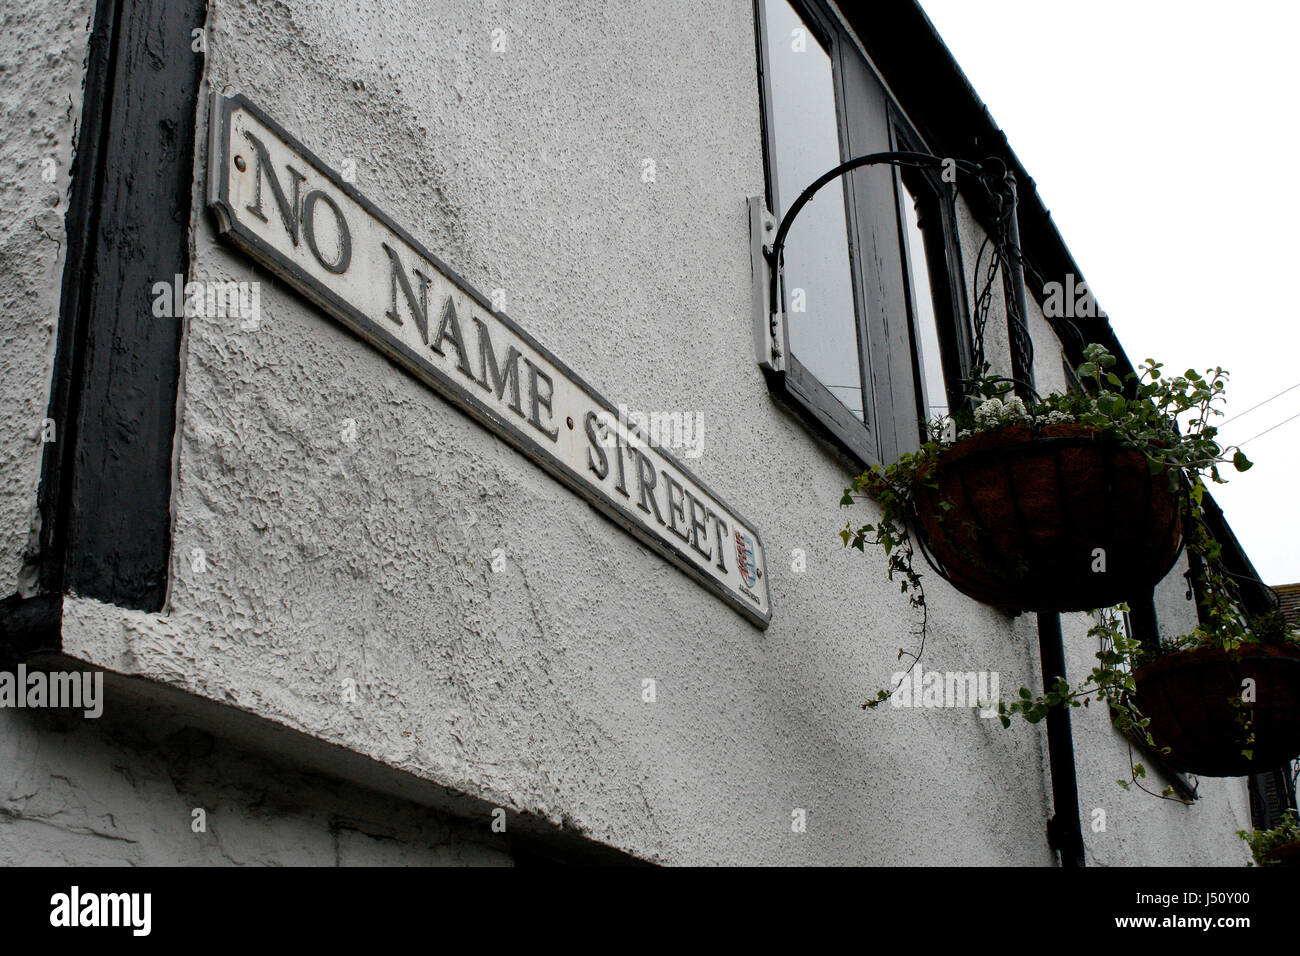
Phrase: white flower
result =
(989, 412)
(1014, 410)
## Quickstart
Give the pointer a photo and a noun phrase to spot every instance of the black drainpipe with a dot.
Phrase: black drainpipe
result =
(1064, 833)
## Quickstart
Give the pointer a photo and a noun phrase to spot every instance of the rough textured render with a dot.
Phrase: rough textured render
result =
(124, 790)
(346, 589)
(42, 63)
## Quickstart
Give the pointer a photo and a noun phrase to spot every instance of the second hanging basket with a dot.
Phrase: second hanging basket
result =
(1208, 705)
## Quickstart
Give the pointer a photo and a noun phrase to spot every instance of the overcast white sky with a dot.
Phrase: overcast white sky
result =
(1163, 137)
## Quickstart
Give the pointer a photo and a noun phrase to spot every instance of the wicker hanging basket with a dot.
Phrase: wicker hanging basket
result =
(1191, 699)
(1286, 855)
(1015, 518)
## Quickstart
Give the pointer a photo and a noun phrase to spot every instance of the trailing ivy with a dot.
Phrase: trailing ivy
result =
(1169, 420)
(1265, 843)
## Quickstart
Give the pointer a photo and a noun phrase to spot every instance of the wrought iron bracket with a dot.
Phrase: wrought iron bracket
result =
(767, 246)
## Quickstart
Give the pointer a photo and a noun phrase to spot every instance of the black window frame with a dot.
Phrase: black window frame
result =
(871, 120)
(937, 219)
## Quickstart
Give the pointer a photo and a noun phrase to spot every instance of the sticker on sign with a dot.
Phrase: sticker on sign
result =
(278, 203)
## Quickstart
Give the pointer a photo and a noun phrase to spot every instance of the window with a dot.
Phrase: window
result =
(930, 386)
(876, 338)
(805, 138)
(941, 345)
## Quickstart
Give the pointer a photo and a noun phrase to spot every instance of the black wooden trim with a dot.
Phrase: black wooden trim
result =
(943, 265)
(1272, 795)
(80, 224)
(105, 496)
(827, 411)
(29, 626)
(1144, 624)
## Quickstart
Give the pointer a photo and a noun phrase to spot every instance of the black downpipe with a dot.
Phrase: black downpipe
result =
(1064, 833)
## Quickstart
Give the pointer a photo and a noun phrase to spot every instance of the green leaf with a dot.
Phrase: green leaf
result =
(1240, 461)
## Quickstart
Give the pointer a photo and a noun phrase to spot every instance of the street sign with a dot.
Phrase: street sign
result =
(278, 203)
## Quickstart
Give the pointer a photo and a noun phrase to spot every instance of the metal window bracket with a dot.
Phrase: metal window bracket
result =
(768, 324)
(767, 243)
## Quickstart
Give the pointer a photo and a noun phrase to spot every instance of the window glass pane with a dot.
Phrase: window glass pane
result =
(818, 283)
(934, 394)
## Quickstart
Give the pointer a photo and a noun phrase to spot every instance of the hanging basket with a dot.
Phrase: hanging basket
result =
(1288, 854)
(1190, 698)
(1015, 518)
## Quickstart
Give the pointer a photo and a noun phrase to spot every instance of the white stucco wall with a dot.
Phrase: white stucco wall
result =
(122, 790)
(328, 562)
(42, 64)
